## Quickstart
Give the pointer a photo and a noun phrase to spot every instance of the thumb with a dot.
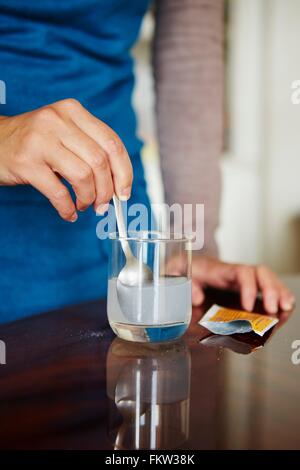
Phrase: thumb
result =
(197, 294)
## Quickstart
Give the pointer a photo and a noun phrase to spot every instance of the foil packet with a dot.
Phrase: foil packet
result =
(226, 321)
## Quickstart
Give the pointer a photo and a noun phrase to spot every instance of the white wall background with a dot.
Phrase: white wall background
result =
(260, 214)
(261, 197)
(282, 127)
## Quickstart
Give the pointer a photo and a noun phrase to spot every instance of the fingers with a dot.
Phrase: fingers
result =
(246, 280)
(121, 168)
(78, 173)
(287, 299)
(275, 293)
(106, 138)
(69, 140)
(93, 154)
(269, 289)
(213, 272)
(45, 181)
(197, 294)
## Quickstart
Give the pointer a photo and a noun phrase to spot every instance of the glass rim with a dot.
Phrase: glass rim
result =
(176, 237)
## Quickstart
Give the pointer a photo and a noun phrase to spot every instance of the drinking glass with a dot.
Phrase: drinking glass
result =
(156, 310)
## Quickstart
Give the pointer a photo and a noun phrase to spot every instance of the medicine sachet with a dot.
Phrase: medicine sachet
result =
(227, 321)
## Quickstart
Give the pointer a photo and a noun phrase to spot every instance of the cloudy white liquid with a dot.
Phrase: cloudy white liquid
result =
(164, 302)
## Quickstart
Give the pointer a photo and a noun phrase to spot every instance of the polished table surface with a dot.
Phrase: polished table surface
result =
(68, 383)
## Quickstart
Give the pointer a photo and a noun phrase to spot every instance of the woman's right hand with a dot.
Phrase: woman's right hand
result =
(65, 140)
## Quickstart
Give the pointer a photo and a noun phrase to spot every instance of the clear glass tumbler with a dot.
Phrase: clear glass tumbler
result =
(159, 309)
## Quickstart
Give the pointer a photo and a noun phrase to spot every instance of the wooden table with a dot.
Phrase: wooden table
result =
(69, 384)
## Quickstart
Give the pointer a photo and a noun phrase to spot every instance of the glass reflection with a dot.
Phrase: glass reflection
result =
(148, 387)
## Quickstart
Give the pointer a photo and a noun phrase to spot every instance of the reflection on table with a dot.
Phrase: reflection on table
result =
(149, 395)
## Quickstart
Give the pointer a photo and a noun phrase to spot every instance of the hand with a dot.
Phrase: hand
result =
(249, 280)
(65, 140)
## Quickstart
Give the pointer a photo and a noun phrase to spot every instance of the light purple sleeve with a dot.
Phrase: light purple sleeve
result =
(188, 71)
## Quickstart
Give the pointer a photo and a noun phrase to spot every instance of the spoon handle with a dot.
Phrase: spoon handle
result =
(122, 228)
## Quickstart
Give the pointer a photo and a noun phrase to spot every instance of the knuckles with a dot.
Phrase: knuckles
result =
(45, 115)
(31, 137)
(31, 146)
(84, 174)
(61, 194)
(69, 104)
(263, 268)
(271, 292)
(99, 162)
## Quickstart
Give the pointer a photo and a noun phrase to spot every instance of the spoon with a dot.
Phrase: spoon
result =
(135, 272)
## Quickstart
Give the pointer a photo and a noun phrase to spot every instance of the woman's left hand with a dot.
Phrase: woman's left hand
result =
(249, 280)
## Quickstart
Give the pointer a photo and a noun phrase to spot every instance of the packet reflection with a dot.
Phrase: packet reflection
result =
(227, 321)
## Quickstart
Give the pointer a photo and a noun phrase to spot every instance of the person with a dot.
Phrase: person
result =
(67, 131)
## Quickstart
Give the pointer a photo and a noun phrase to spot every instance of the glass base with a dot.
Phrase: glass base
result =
(149, 334)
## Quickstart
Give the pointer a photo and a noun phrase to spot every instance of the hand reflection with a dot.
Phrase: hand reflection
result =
(148, 387)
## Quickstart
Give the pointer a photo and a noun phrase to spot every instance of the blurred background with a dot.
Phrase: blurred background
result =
(260, 208)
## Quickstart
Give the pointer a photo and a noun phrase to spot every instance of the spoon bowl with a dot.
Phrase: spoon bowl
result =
(135, 273)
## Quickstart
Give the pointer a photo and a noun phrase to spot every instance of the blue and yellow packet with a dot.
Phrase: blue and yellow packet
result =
(227, 321)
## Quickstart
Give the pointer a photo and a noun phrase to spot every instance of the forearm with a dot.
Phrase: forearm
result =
(188, 70)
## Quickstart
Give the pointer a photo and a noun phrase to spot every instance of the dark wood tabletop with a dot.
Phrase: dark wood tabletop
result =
(68, 383)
